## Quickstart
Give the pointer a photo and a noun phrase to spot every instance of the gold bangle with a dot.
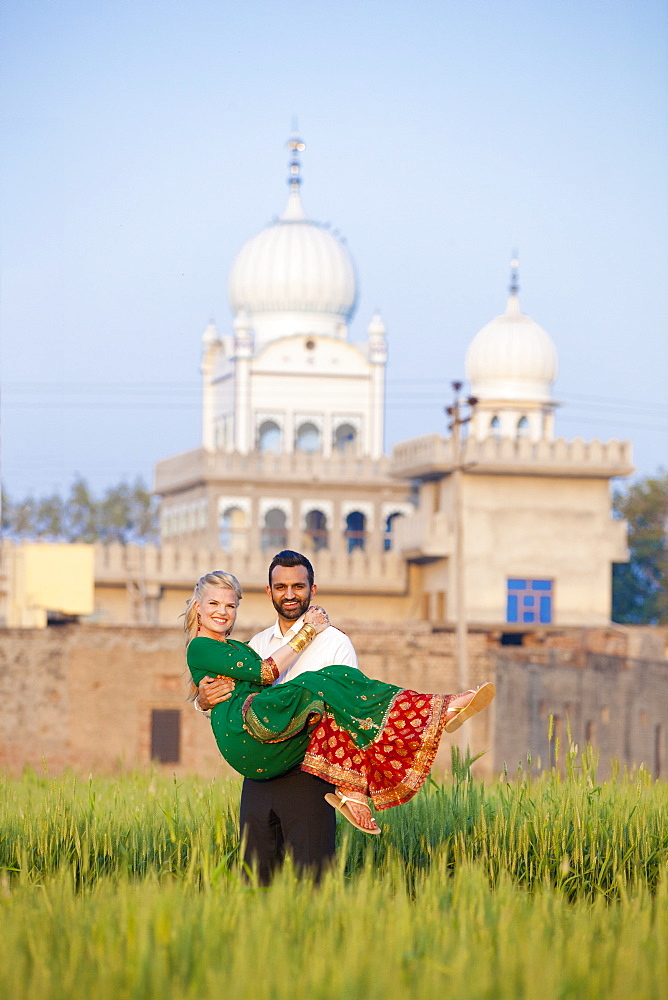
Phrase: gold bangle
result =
(303, 637)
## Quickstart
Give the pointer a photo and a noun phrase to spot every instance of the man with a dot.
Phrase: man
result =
(289, 813)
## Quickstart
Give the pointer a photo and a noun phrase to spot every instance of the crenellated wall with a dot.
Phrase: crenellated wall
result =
(519, 456)
(197, 466)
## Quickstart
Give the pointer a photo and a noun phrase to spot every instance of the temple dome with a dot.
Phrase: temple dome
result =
(295, 266)
(512, 358)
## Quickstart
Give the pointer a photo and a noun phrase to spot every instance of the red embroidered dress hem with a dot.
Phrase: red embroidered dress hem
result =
(394, 766)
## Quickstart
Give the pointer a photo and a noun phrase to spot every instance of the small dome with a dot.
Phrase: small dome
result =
(294, 266)
(376, 327)
(512, 358)
(210, 335)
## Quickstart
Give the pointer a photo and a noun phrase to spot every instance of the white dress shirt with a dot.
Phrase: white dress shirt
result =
(329, 646)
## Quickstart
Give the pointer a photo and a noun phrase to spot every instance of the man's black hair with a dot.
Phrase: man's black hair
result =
(289, 558)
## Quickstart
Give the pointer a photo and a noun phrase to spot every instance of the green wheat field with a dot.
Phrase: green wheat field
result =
(131, 887)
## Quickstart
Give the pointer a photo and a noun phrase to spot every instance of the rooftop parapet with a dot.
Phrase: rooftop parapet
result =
(199, 466)
(154, 567)
(433, 455)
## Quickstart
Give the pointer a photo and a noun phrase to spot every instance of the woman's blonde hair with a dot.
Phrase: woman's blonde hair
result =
(217, 578)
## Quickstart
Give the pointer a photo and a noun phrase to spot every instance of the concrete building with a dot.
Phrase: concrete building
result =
(536, 533)
(41, 580)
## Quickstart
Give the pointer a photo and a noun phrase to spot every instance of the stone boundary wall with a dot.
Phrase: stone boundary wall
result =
(82, 696)
(617, 704)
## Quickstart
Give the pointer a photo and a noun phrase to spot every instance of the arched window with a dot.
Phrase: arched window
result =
(269, 437)
(495, 426)
(355, 532)
(389, 528)
(316, 535)
(232, 530)
(522, 427)
(308, 437)
(274, 531)
(344, 438)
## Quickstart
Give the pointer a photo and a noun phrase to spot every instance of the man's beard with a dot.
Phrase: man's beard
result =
(292, 614)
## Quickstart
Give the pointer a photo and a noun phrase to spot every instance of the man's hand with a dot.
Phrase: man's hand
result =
(213, 690)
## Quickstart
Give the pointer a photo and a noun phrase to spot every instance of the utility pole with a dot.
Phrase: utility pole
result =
(457, 421)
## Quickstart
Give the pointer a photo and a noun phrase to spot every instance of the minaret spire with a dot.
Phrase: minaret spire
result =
(514, 286)
(513, 304)
(296, 146)
(294, 210)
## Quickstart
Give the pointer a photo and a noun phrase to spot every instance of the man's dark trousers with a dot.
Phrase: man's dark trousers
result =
(287, 815)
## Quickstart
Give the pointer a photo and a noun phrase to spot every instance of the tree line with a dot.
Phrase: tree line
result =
(124, 513)
(640, 587)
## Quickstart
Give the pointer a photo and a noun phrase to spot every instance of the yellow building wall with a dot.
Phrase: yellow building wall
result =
(45, 576)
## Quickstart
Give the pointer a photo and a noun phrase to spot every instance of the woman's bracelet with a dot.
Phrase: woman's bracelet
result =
(304, 636)
(268, 670)
(202, 711)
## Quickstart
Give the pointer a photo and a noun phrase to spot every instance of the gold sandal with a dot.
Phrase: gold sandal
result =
(338, 801)
(482, 696)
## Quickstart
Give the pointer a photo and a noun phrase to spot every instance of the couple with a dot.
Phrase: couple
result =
(295, 715)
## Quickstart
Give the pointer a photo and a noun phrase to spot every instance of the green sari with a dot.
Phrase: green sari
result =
(336, 723)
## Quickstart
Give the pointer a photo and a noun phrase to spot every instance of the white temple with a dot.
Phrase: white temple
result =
(287, 379)
(292, 448)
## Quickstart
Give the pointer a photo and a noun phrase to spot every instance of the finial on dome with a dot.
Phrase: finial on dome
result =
(294, 210)
(296, 146)
(513, 303)
(514, 286)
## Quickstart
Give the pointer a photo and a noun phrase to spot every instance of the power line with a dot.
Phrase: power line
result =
(393, 386)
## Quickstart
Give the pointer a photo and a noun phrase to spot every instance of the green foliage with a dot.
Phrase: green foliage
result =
(131, 888)
(639, 591)
(125, 513)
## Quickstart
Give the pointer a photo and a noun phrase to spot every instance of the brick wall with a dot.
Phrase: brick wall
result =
(82, 697)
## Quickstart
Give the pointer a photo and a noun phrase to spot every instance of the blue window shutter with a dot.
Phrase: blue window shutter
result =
(545, 610)
(512, 610)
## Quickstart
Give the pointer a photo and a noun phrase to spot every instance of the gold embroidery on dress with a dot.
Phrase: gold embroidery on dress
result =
(310, 715)
(365, 723)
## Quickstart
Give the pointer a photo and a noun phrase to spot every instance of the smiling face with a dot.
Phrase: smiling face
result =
(217, 611)
(290, 593)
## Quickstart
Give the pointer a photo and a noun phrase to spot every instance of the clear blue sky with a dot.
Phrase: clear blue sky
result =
(144, 143)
